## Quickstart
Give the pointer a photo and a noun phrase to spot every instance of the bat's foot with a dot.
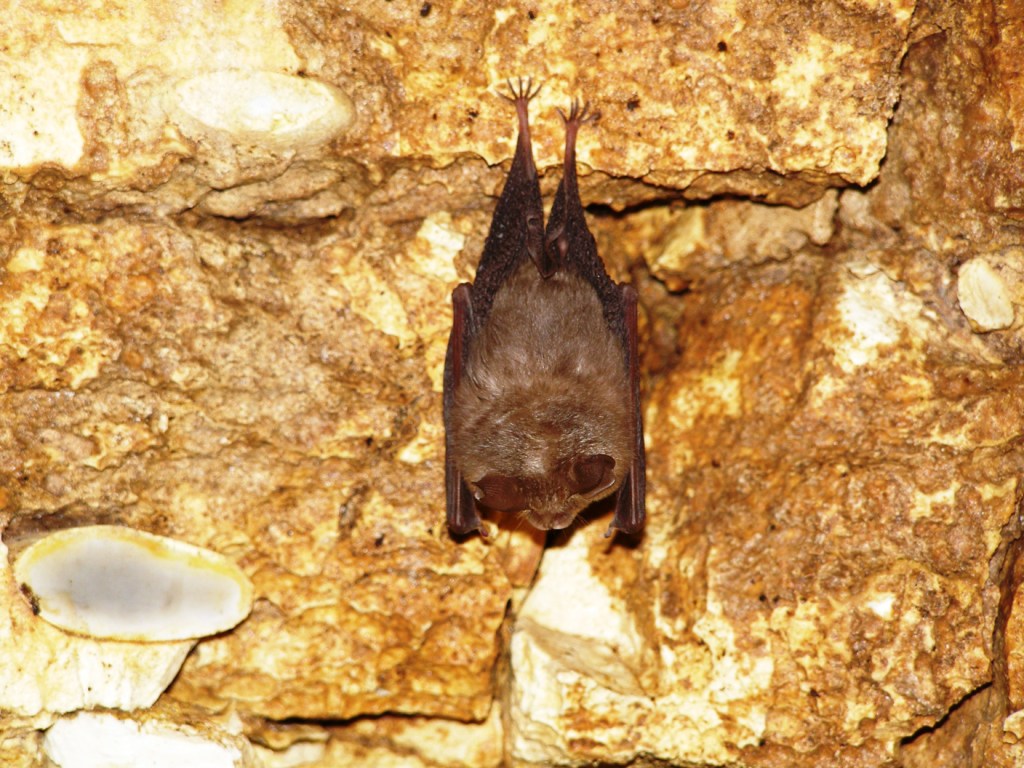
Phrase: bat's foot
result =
(578, 115)
(465, 533)
(612, 528)
(522, 90)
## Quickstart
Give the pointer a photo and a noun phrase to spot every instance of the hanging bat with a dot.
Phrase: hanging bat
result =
(541, 386)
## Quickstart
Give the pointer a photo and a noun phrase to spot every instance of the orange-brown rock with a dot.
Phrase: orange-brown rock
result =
(228, 237)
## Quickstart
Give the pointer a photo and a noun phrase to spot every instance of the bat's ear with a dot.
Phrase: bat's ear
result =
(500, 493)
(541, 256)
(589, 475)
(556, 245)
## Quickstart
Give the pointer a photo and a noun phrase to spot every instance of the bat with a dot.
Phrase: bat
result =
(541, 381)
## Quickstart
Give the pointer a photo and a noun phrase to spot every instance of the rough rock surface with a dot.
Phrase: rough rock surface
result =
(228, 235)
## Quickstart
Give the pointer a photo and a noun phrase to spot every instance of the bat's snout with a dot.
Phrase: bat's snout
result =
(556, 522)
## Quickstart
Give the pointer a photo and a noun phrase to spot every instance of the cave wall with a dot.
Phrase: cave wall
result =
(229, 235)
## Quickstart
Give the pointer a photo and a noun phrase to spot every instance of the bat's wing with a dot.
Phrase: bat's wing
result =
(462, 514)
(630, 507)
(517, 227)
(571, 246)
(567, 239)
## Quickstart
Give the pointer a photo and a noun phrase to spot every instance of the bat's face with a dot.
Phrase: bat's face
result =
(553, 500)
(546, 444)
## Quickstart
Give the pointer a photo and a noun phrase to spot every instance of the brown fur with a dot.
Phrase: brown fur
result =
(544, 382)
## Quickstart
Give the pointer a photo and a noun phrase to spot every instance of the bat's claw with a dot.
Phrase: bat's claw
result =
(578, 115)
(521, 90)
(612, 528)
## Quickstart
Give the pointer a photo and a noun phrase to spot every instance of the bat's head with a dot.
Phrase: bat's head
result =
(554, 499)
(541, 422)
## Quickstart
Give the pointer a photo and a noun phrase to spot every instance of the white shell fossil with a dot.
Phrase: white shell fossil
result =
(267, 108)
(113, 582)
(102, 740)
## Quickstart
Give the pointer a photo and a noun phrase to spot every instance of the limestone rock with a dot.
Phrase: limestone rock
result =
(991, 288)
(228, 238)
(138, 121)
(21, 747)
(99, 740)
(328, 529)
(728, 232)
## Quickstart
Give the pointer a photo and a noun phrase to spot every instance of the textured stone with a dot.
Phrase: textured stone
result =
(728, 232)
(223, 319)
(1011, 659)
(137, 120)
(238, 425)
(21, 747)
(99, 740)
(386, 740)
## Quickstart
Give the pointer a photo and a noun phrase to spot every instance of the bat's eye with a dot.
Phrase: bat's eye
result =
(500, 493)
(591, 474)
